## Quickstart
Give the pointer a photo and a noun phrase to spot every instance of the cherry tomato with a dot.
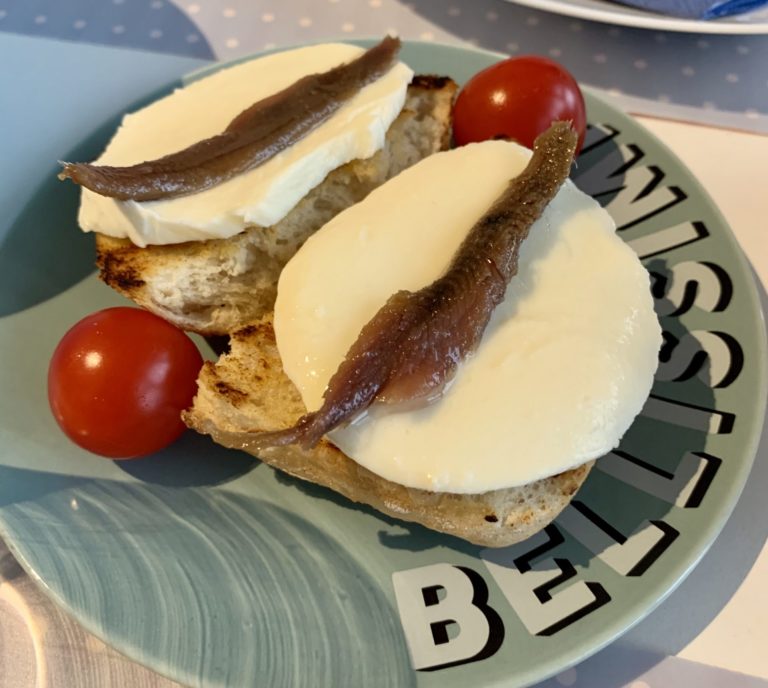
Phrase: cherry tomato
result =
(118, 381)
(518, 98)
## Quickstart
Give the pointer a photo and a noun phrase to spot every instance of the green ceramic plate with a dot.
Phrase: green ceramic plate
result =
(212, 569)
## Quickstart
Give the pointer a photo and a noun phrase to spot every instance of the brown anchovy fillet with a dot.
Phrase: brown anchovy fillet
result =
(256, 135)
(413, 345)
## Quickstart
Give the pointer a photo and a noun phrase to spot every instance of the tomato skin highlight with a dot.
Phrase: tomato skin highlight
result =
(518, 98)
(118, 381)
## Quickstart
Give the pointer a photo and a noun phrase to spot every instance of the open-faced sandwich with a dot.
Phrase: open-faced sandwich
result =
(196, 206)
(457, 373)
(455, 348)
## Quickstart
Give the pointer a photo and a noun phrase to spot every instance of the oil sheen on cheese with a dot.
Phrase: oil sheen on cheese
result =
(564, 367)
(264, 195)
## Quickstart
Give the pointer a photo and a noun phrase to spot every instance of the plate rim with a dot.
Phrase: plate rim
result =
(703, 538)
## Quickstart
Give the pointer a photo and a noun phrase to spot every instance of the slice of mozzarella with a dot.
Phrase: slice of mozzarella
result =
(264, 195)
(564, 367)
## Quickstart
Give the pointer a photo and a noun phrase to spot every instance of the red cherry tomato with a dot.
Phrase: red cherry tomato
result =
(119, 380)
(518, 98)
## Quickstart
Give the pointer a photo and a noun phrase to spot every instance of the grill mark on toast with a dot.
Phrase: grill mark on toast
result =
(118, 272)
(235, 396)
(431, 82)
(260, 330)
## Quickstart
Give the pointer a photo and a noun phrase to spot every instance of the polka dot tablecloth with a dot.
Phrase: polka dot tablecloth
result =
(709, 78)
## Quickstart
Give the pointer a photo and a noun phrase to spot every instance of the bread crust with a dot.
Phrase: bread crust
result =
(247, 391)
(214, 287)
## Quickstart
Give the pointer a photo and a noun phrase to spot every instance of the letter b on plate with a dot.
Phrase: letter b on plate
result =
(445, 616)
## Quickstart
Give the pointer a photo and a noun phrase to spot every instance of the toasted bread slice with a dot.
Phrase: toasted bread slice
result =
(247, 390)
(213, 287)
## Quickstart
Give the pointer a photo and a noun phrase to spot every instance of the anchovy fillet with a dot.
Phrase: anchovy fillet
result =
(412, 347)
(255, 136)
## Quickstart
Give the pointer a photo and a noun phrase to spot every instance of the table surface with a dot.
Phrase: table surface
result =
(705, 97)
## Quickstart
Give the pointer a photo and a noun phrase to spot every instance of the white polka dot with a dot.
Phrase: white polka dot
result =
(427, 36)
(305, 22)
(513, 47)
(374, 3)
(491, 16)
(575, 26)
(567, 678)
(732, 78)
(614, 32)
(555, 52)
(347, 27)
(269, 46)
(155, 33)
(702, 44)
(454, 12)
(157, 4)
(267, 17)
(742, 49)
(118, 29)
(79, 24)
(3, 14)
(532, 21)
(688, 71)
(229, 12)
(232, 43)
(41, 19)
(600, 58)
(193, 38)
(660, 38)
(193, 9)
(640, 64)
(752, 114)
(614, 91)
(663, 98)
